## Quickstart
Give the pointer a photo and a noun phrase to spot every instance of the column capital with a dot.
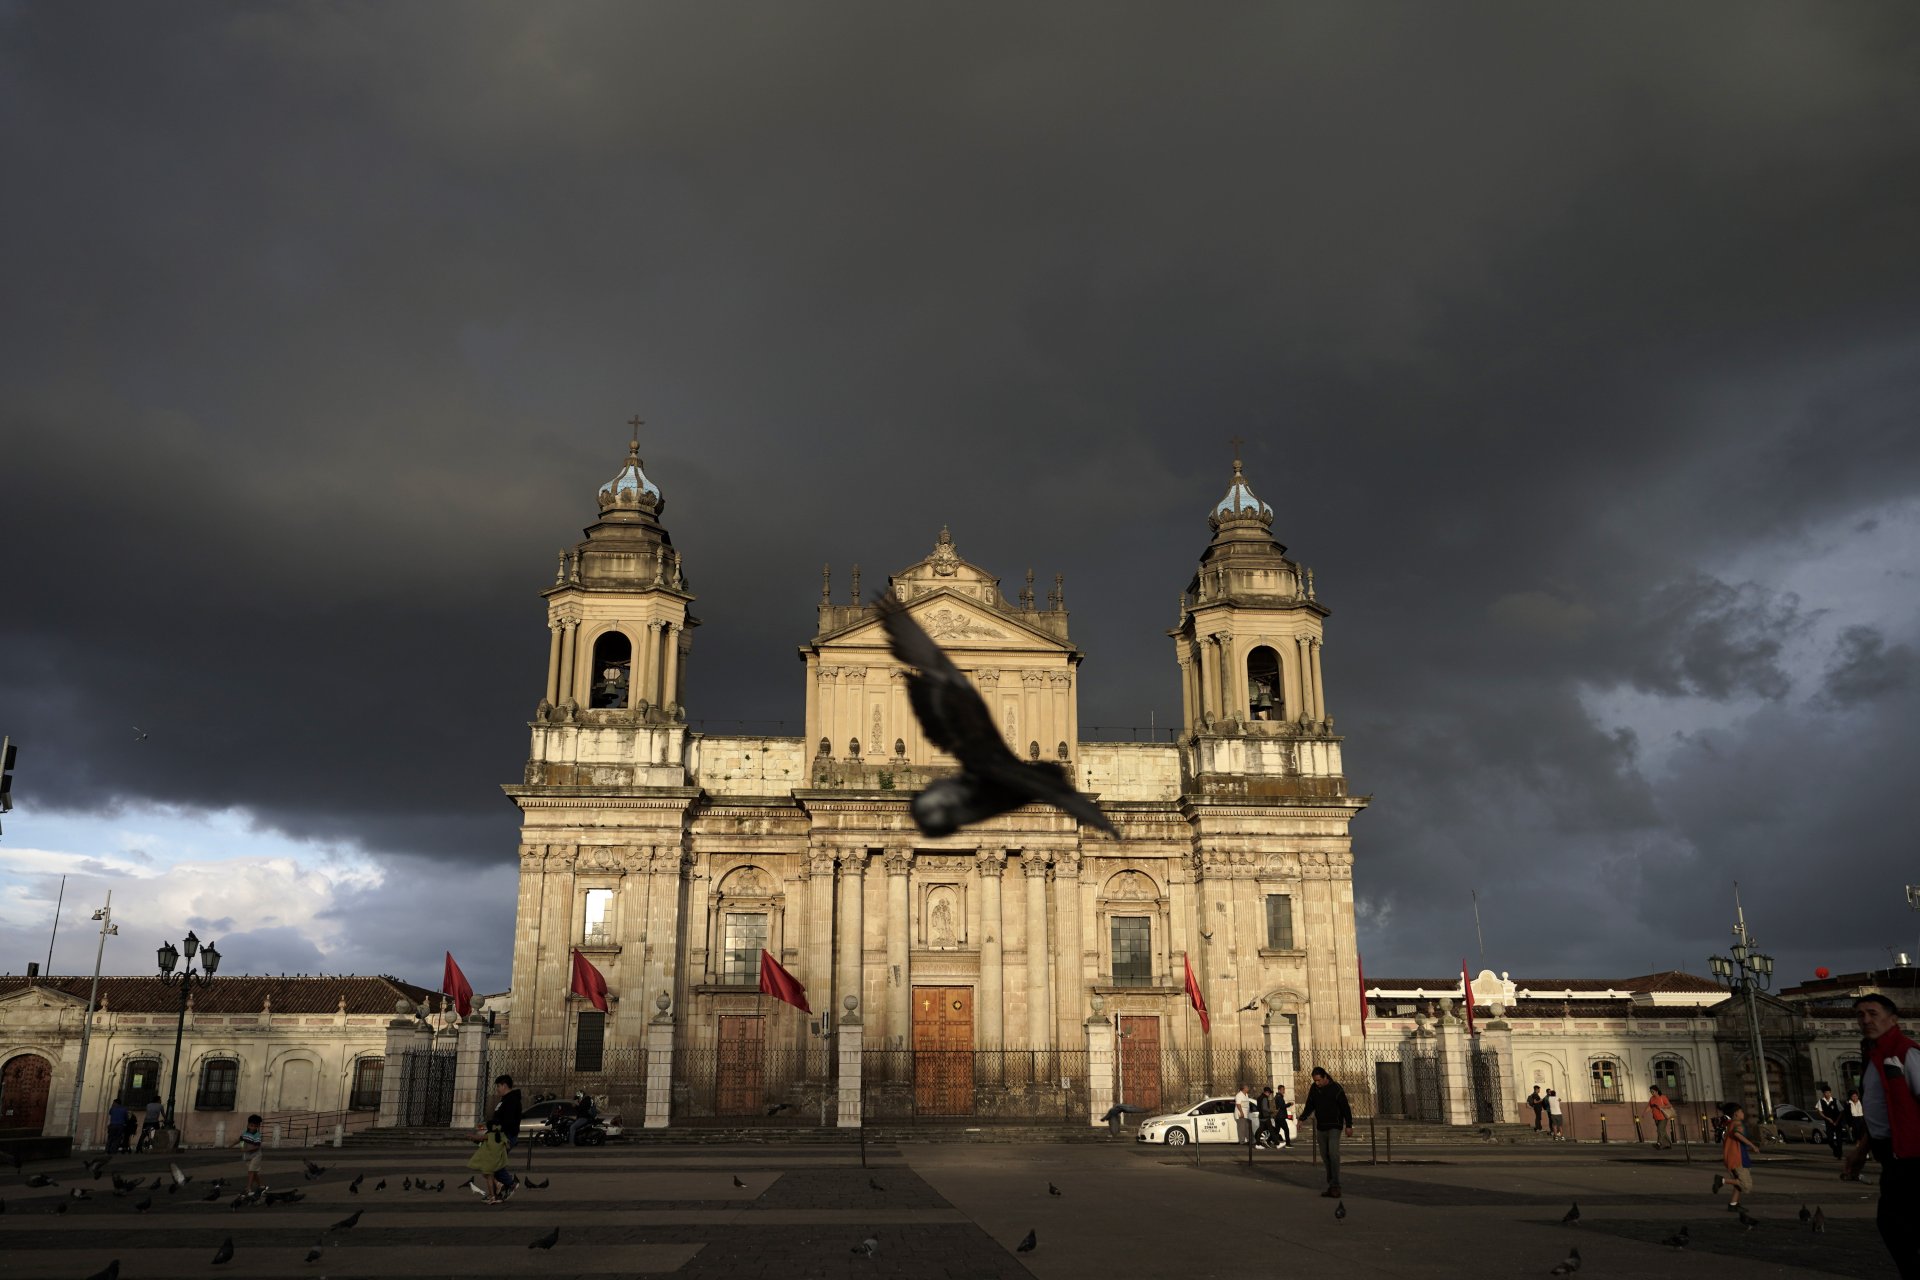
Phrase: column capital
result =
(852, 859)
(1033, 864)
(991, 862)
(1067, 864)
(899, 861)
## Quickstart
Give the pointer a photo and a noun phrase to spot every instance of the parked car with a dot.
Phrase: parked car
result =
(538, 1117)
(1795, 1125)
(1209, 1120)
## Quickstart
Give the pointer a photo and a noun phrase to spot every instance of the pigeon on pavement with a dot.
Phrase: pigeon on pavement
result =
(349, 1222)
(1806, 1215)
(869, 1246)
(1569, 1265)
(1340, 1211)
(109, 1272)
(547, 1241)
(737, 1182)
(874, 1184)
(380, 1185)
(353, 1188)
(1052, 1190)
(224, 1253)
(1572, 1216)
(1029, 1244)
(313, 1254)
(1819, 1219)
(992, 780)
(142, 1205)
(40, 1180)
(1679, 1239)
(538, 1186)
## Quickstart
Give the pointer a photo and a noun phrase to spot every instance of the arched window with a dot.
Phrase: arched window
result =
(141, 1083)
(219, 1084)
(744, 916)
(1265, 697)
(1671, 1075)
(366, 1084)
(612, 670)
(1604, 1080)
(1852, 1072)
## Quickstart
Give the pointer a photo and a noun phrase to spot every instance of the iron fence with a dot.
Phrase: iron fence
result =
(618, 1088)
(427, 1098)
(997, 1086)
(755, 1086)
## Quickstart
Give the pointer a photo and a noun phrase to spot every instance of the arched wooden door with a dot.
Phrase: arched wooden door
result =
(24, 1083)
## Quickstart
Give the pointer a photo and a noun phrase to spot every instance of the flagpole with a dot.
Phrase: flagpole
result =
(1476, 926)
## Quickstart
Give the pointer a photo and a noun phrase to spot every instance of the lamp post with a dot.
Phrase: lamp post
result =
(170, 958)
(107, 927)
(1750, 971)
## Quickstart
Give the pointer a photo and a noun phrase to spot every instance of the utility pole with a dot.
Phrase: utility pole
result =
(105, 916)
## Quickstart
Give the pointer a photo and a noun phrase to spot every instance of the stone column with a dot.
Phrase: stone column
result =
(660, 1064)
(1068, 977)
(670, 665)
(1101, 1093)
(1208, 663)
(848, 1036)
(1303, 672)
(470, 1077)
(1319, 694)
(568, 631)
(816, 940)
(853, 889)
(1496, 1038)
(1456, 1086)
(899, 934)
(393, 1072)
(553, 663)
(1039, 1033)
(1281, 1067)
(992, 865)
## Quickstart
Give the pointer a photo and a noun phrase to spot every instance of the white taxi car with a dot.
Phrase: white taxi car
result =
(1210, 1120)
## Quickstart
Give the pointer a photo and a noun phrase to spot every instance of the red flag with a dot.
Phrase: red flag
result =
(454, 983)
(1466, 984)
(588, 982)
(1199, 1001)
(1360, 962)
(781, 985)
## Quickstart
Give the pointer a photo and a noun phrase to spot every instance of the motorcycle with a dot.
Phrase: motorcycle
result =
(574, 1124)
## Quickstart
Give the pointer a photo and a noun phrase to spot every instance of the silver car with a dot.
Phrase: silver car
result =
(1795, 1125)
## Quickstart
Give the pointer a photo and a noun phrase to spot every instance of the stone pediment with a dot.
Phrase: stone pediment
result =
(956, 623)
(39, 997)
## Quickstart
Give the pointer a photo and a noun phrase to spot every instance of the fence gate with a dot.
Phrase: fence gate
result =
(427, 1095)
(1424, 1103)
(1483, 1070)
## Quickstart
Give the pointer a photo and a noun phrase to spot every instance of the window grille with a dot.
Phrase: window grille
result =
(1132, 951)
(1280, 921)
(219, 1083)
(743, 937)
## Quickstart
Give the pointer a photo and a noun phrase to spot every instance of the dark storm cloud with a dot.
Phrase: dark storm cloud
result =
(322, 322)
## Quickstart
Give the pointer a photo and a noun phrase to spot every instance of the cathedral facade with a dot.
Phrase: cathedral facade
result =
(671, 858)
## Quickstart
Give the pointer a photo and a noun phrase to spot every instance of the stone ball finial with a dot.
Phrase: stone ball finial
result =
(662, 1001)
(1099, 1003)
(851, 1003)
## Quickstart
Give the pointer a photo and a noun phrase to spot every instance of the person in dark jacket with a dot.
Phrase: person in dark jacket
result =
(506, 1118)
(1332, 1116)
(1834, 1113)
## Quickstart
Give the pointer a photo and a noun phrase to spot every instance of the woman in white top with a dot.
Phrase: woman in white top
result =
(1553, 1116)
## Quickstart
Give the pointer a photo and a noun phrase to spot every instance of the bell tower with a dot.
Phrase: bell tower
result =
(1249, 642)
(617, 614)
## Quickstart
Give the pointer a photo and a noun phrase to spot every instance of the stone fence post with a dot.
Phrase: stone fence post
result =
(850, 1035)
(1102, 1090)
(1456, 1085)
(470, 1074)
(660, 1065)
(393, 1073)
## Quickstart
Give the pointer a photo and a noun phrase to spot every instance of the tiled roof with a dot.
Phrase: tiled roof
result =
(237, 994)
(1671, 980)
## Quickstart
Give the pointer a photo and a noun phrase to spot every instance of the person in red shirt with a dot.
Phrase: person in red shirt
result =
(1662, 1112)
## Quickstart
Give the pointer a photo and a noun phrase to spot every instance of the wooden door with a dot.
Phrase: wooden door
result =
(943, 1051)
(740, 1065)
(1140, 1061)
(23, 1092)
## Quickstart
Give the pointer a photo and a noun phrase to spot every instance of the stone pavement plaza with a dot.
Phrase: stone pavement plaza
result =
(956, 1210)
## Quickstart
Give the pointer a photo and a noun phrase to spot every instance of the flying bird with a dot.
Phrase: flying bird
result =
(1052, 1190)
(96, 1167)
(122, 1185)
(1340, 1211)
(1679, 1239)
(180, 1179)
(224, 1253)
(869, 1246)
(139, 734)
(1572, 1216)
(737, 1182)
(313, 1170)
(547, 1241)
(109, 1272)
(349, 1222)
(1029, 1244)
(955, 718)
(1819, 1219)
(40, 1180)
(1568, 1265)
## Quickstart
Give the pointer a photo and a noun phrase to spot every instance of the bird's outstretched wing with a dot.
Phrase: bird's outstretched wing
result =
(950, 710)
(1048, 783)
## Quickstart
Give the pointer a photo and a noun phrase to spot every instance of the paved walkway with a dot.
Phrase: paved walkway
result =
(954, 1212)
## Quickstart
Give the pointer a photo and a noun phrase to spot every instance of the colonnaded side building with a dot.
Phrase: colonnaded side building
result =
(670, 858)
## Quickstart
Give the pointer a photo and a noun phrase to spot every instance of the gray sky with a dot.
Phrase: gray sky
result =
(1576, 349)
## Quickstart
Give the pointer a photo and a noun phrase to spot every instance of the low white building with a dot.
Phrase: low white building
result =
(307, 1053)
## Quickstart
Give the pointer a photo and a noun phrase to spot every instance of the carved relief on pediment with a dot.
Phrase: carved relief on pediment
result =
(746, 882)
(602, 859)
(1131, 886)
(951, 624)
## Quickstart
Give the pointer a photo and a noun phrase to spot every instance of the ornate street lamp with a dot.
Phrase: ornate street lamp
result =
(169, 958)
(1750, 971)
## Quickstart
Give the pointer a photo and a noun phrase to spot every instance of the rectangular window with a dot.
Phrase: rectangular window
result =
(589, 1040)
(1132, 951)
(219, 1082)
(1280, 921)
(743, 936)
(366, 1084)
(599, 919)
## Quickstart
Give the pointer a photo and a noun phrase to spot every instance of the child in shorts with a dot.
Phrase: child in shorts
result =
(250, 1144)
(1736, 1152)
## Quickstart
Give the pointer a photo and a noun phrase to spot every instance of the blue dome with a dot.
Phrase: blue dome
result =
(630, 489)
(1240, 503)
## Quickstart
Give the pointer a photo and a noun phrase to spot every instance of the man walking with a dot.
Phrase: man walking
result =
(1890, 1099)
(505, 1119)
(118, 1117)
(1282, 1131)
(1264, 1103)
(1332, 1115)
(1833, 1113)
(1661, 1111)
